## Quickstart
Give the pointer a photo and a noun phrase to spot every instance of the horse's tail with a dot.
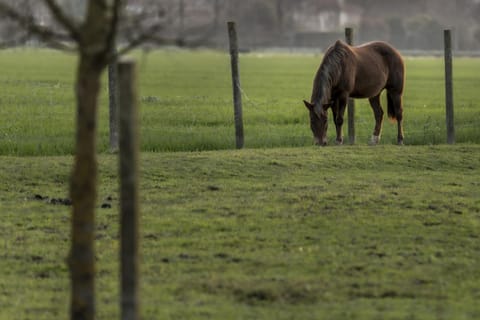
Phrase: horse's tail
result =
(394, 106)
(392, 114)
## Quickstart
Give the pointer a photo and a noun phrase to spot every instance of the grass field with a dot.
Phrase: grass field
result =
(280, 230)
(261, 234)
(187, 102)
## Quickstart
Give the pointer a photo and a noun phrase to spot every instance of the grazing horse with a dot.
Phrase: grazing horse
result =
(356, 72)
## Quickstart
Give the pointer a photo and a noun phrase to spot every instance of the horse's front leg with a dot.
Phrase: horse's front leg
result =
(338, 114)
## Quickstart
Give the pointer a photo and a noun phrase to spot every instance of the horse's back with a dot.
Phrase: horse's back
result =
(382, 50)
(388, 58)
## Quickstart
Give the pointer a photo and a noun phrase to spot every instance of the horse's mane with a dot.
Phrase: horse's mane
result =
(330, 71)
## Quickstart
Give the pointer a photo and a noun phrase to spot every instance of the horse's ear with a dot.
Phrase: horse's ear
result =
(308, 105)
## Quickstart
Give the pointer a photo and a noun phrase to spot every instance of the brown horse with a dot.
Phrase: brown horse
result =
(356, 72)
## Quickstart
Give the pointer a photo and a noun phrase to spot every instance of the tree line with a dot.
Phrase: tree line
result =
(409, 24)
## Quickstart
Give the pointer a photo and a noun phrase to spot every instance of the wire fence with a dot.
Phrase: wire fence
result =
(37, 116)
(51, 132)
(262, 131)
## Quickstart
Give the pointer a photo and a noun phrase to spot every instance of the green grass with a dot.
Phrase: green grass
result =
(280, 230)
(294, 233)
(186, 102)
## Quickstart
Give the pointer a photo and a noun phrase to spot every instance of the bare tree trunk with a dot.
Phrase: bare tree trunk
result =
(96, 39)
(83, 193)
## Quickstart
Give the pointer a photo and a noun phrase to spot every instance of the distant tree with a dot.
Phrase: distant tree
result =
(424, 32)
(10, 34)
(93, 37)
(398, 34)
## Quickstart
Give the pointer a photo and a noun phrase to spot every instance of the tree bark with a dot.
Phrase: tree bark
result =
(83, 191)
(95, 40)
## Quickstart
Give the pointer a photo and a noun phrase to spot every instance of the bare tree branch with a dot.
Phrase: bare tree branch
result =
(136, 28)
(33, 27)
(61, 17)
(145, 36)
(141, 28)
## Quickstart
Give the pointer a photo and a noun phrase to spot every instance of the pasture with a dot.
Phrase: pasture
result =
(187, 102)
(280, 230)
(290, 233)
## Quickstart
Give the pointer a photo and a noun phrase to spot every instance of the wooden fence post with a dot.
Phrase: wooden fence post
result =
(237, 94)
(351, 103)
(449, 87)
(129, 206)
(112, 106)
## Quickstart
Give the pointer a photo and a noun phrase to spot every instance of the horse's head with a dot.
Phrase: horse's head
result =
(318, 122)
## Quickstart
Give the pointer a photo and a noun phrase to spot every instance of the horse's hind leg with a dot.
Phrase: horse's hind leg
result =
(378, 113)
(395, 107)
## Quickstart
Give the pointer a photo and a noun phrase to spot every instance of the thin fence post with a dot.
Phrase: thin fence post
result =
(129, 204)
(351, 103)
(112, 106)
(237, 95)
(449, 87)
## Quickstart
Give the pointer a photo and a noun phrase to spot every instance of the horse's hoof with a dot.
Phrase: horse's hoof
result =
(339, 142)
(374, 140)
(400, 142)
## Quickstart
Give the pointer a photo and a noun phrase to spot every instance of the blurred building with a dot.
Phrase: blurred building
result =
(408, 24)
(413, 24)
